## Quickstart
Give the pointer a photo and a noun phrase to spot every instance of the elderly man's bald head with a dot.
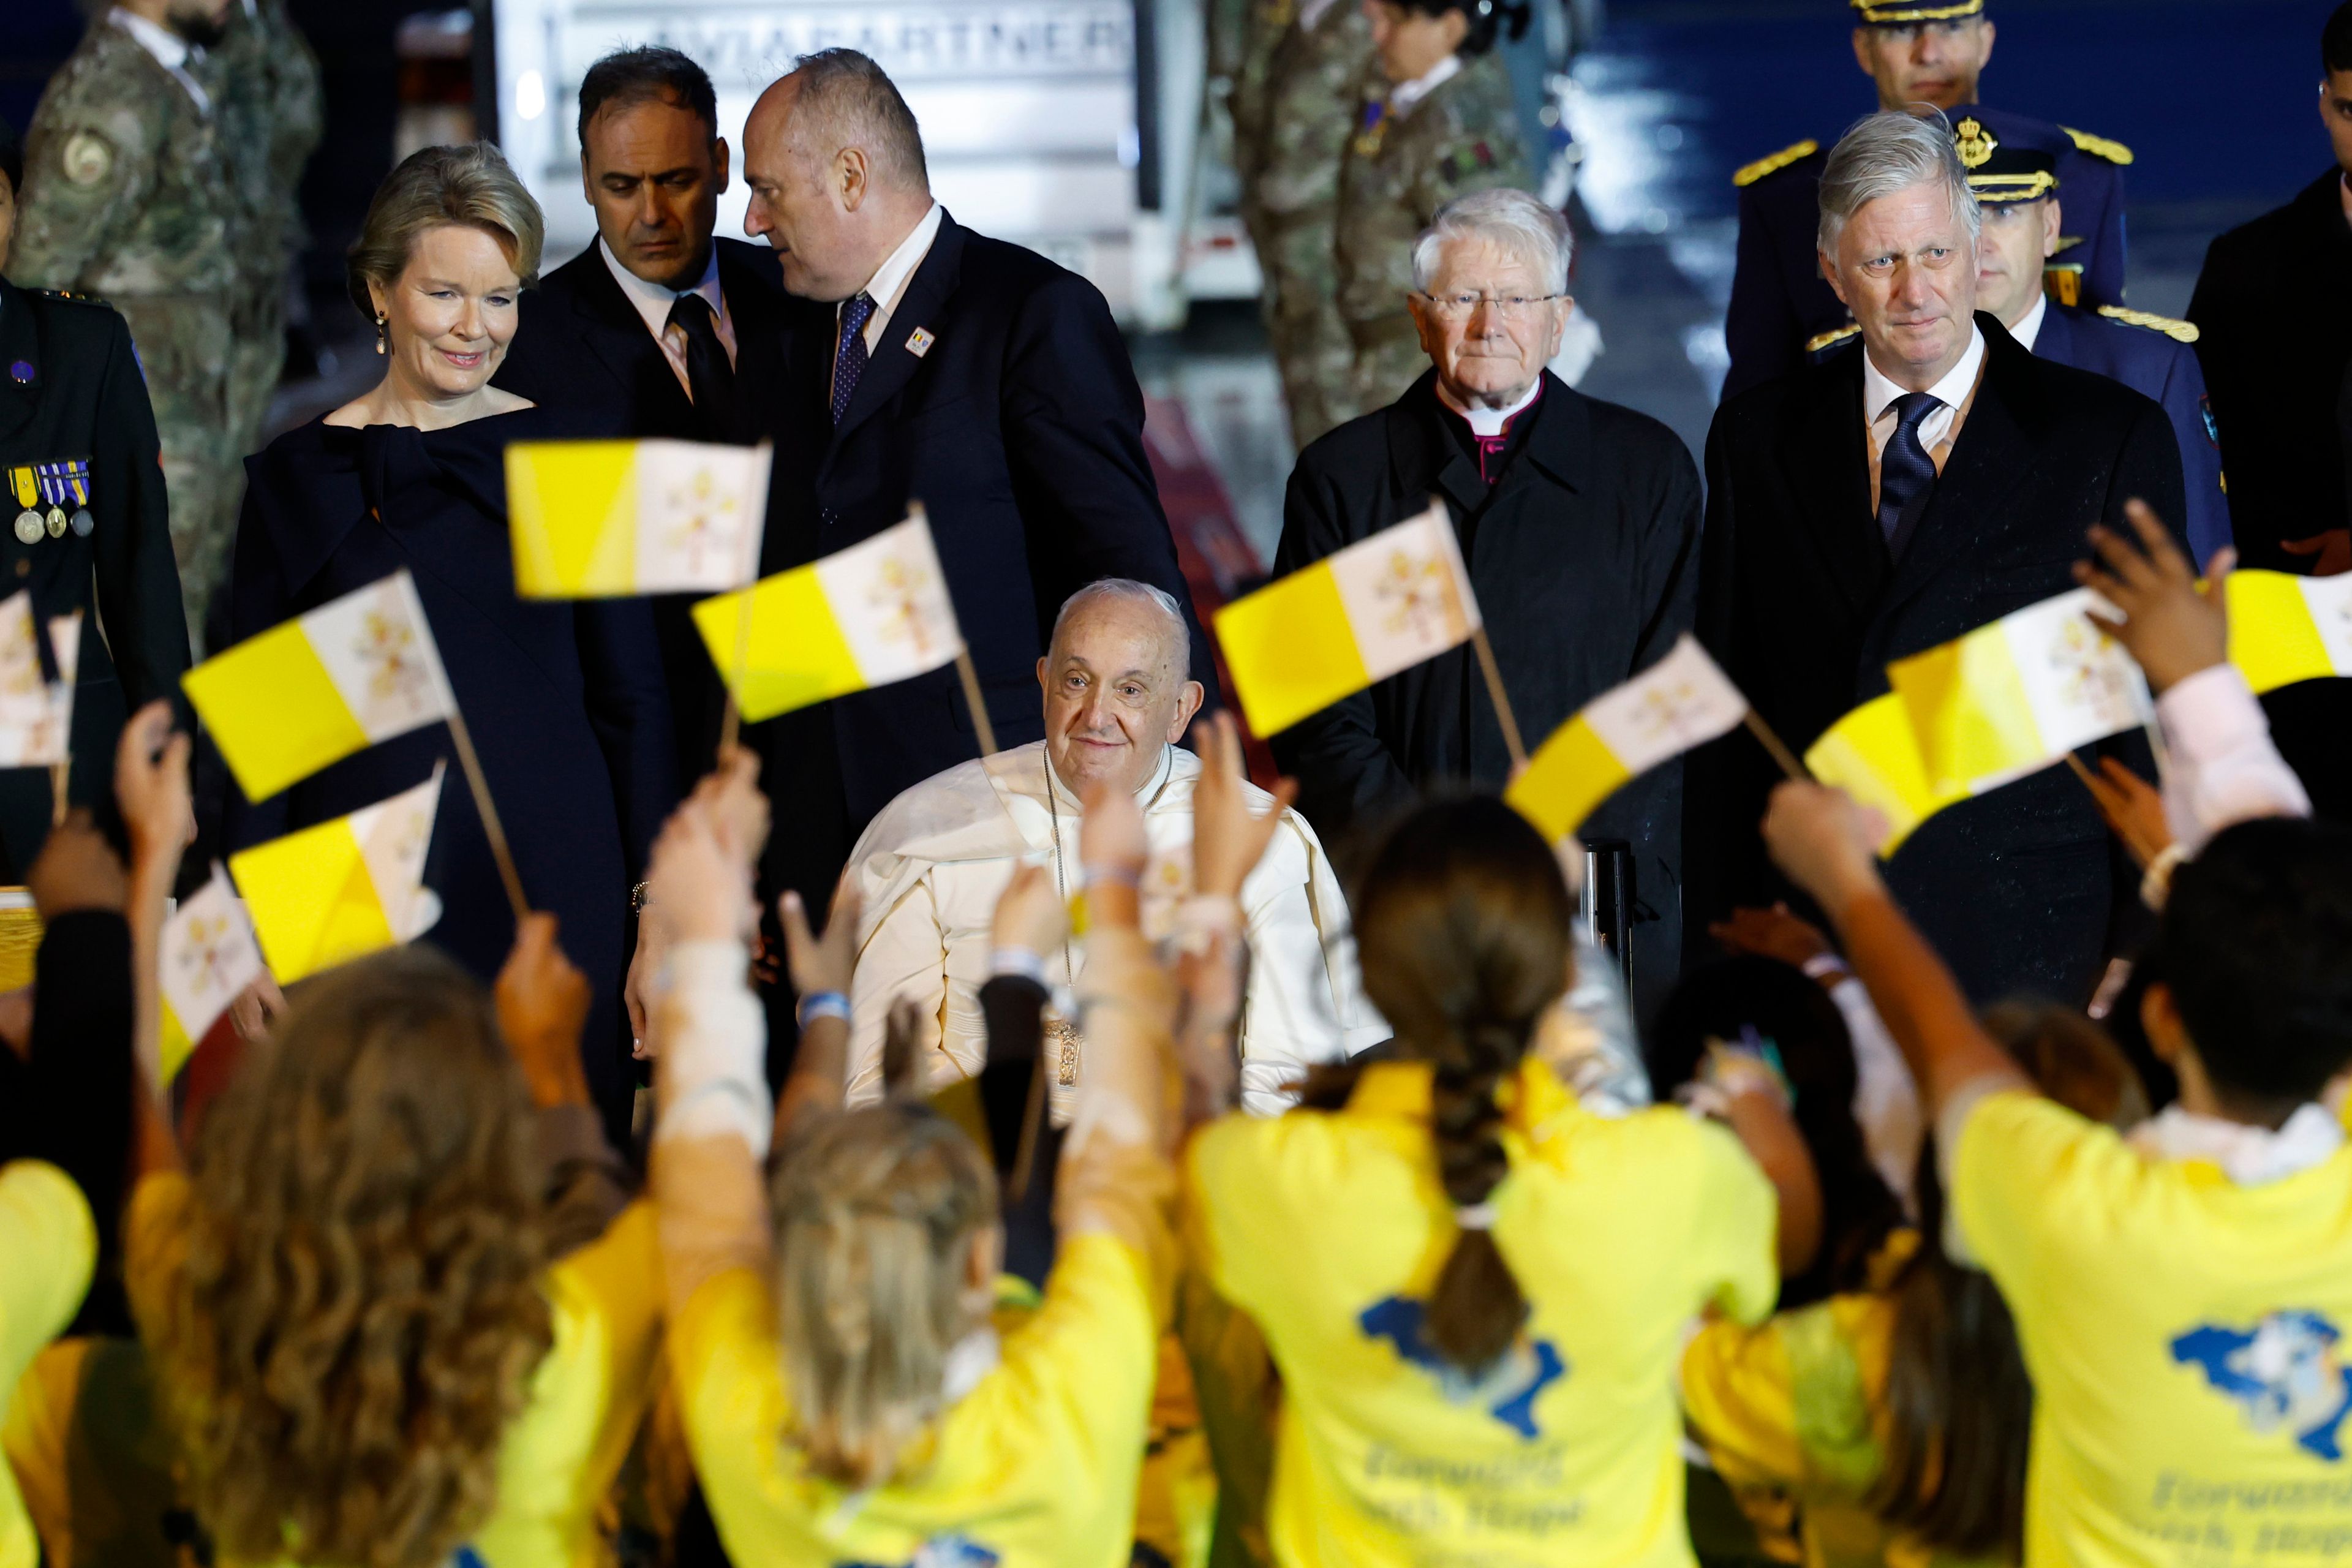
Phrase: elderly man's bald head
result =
(835, 162)
(1116, 683)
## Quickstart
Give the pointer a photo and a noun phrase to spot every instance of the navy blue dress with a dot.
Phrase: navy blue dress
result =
(564, 699)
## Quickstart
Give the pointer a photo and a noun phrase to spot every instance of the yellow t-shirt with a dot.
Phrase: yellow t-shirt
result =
(2191, 1397)
(557, 1461)
(1034, 1467)
(1329, 1230)
(49, 1244)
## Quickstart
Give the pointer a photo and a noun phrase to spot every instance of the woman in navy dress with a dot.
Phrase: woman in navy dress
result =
(563, 699)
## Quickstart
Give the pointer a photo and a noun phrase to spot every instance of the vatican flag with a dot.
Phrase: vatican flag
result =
(867, 615)
(1682, 701)
(1872, 755)
(2012, 697)
(36, 713)
(1361, 614)
(210, 955)
(353, 672)
(344, 888)
(600, 519)
(2284, 629)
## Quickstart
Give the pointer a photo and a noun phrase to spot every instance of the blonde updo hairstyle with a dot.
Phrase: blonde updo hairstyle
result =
(472, 185)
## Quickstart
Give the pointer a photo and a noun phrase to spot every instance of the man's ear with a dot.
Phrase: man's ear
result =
(1187, 702)
(1828, 264)
(2053, 222)
(1985, 59)
(1862, 53)
(587, 188)
(1432, 340)
(850, 178)
(2159, 1019)
(721, 161)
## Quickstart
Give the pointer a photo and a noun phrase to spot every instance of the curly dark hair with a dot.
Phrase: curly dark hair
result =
(360, 1308)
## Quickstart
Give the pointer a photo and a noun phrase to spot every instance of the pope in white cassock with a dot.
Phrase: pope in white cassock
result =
(931, 866)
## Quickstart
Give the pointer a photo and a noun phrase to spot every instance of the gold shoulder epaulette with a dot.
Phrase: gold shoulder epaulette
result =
(2099, 146)
(1821, 340)
(68, 296)
(2179, 331)
(1775, 164)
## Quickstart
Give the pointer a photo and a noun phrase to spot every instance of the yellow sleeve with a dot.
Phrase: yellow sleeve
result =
(730, 1377)
(1739, 1396)
(1096, 1337)
(51, 1245)
(1223, 1166)
(1733, 1240)
(587, 1397)
(2032, 1183)
(155, 1250)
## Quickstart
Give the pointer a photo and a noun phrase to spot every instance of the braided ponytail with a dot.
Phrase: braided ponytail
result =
(1465, 926)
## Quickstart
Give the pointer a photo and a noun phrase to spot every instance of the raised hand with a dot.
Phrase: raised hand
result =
(543, 1002)
(1824, 841)
(2170, 628)
(1228, 838)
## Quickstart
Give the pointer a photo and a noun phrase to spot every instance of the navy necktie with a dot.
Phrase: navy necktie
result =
(709, 373)
(849, 353)
(1906, 472)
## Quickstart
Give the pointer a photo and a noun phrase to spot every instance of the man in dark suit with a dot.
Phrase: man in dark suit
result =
(1579, 521)
(1916, 51)
(922, 361)
(1930, 479)
(2273, 313)
(658, 329)
(2017, 186)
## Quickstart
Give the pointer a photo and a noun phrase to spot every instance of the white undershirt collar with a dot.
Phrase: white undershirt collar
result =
(172, 52)
(890, 279)
(1405, 94)
(2029, 331)
(2249, 1156)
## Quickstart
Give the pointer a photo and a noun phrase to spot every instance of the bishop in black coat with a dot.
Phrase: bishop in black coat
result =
(1801, 602)
(1583, 555)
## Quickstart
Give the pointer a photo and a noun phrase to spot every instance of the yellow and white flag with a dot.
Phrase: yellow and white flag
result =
(344, 888)
(36, 713)
(1682, 701)
(353, 672)
(600, 519)
(1872, 755)
(2012, 697)
(867, 615)
(2284, 629)
(209, 957)
(1357, 615)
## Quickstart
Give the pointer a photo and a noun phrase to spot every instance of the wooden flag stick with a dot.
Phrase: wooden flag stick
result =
(1502, 703)
(1772, 743)
(57, 772)
(972, 700)
(491, 827)
(731, 723)
(1033, 1123)
(2083, 773)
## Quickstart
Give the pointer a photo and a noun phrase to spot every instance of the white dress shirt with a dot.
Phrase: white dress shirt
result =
(2029, 331)
(1879, 395)
(2223, 768)
(653, 302)
(888, 284)
(1405, 94)
(172, 52)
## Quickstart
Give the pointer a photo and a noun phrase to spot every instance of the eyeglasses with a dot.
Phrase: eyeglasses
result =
(1511, 307)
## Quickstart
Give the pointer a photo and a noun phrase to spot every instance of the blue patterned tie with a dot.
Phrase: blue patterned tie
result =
(1906, 472)
(849, 353)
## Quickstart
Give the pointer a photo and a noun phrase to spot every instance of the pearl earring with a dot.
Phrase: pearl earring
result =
(383, 334)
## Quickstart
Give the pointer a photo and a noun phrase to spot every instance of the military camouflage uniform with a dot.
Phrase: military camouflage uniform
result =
(1314, 82)
(1462, 137)
(129, 197)
(271, 113)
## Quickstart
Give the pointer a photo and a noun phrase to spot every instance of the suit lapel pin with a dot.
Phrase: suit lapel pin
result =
(919, 342)
(21, 372)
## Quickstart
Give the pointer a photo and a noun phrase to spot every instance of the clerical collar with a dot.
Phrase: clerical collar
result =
(1405, 94)
(2028, 331)
(2249, 1156)
(1147, 791)
(1490, 422)
(169, 50)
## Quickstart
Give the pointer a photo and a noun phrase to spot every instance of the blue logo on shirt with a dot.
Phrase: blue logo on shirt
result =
(2283, 1373)
(1508, 1389)
(943, 1551)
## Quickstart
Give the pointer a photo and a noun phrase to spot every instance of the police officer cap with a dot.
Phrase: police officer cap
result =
(2013, 168)
(1911, 13)
(11, 159)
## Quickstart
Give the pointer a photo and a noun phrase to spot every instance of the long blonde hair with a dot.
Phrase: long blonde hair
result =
(876, 1211)
(360, 1309)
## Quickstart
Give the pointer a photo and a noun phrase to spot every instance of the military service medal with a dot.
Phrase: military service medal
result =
(68, 477)
(25, 488)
